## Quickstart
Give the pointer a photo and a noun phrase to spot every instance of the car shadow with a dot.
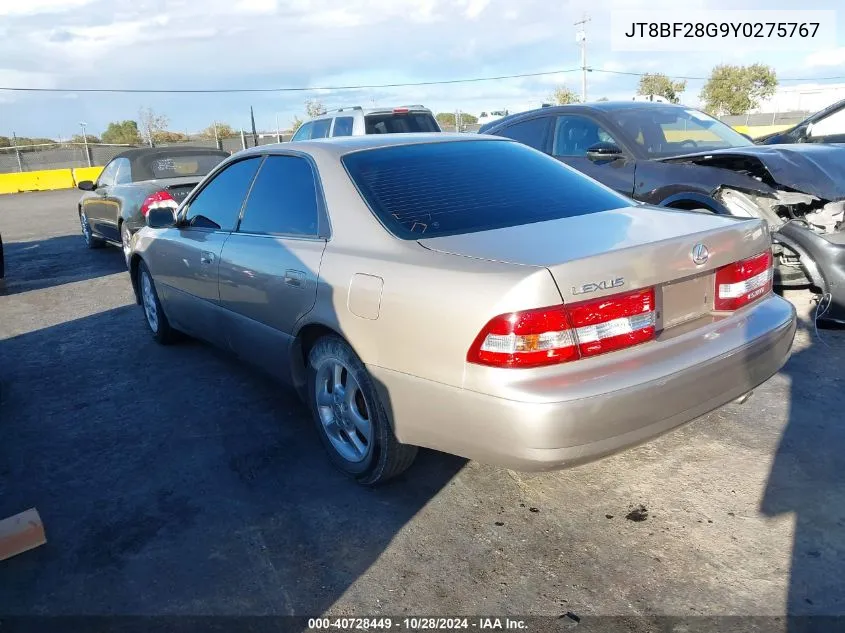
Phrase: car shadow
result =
(807, 479)
(54, 261)
(175, 481)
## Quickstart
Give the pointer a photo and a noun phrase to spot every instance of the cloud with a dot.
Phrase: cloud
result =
(475, 8)
(830, 57)
(35, 7)
(256, 6)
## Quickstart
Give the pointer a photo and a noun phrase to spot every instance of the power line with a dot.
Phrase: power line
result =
(374, 86)
(296, 89)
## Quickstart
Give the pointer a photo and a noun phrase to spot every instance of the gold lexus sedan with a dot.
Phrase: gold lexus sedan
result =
(464, 293)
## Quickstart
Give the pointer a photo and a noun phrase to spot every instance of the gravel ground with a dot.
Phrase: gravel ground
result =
(175, 480)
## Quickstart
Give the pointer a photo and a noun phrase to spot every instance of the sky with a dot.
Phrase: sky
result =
(196, 44)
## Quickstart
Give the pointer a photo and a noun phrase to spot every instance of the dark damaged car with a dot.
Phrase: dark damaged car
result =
(674, 156)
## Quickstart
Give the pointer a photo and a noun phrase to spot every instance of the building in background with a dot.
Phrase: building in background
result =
(803, 98)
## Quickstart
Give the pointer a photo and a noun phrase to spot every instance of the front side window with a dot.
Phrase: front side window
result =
(303, 133)
(343, 126)
(283, 200)
(575, 134)
(434, 189)
(124, 172)
(532, 132)
(107, 176)
(218, 205)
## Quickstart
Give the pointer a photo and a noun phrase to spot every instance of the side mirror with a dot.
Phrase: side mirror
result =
(604, 151)
(85, 185)
(161, 218)
(808, 131)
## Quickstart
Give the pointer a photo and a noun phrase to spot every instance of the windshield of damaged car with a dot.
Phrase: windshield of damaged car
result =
(448, 188)
(673, 131)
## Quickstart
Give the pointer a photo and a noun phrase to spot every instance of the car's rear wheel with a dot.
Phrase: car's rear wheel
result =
(125, 236)
(88, 234)
(350, 417)
(154, 315)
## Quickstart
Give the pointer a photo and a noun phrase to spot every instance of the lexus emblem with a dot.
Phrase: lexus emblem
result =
(700, 254)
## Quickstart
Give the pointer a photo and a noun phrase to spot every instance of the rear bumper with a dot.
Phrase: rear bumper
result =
(568, 418)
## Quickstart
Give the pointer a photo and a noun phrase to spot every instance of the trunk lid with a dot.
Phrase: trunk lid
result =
(616, 251)
(179, 188)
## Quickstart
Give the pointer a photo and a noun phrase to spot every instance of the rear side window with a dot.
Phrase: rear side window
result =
(218, 205)
(400, 123)
(283, 200)
(303, 133)
(321, 128)
(343, 126)
(532, 132)
(434, 189)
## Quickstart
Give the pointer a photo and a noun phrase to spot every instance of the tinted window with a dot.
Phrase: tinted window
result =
(283, 200)
(321, 128)
(400, 123)
(106, 178)
(177, 165)
(124, 172)
(303, 133)
(575, 134)
(435, 189)
(218, 205)
(343, 126)
(531, 132)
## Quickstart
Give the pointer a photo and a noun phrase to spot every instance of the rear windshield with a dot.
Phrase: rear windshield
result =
(400, 123)
(435, 189)
(178, 165)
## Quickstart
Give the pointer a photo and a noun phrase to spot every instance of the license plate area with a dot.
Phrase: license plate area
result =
(685, 300)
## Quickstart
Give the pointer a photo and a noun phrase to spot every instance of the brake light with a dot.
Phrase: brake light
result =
(400, 110)
(158, 200)
(742, 282)
(557, 334)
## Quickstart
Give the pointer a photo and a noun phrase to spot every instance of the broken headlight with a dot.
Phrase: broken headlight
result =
(748, 205)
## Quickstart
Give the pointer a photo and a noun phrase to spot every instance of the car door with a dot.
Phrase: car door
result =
(113, 198)
(98, 206)
(270, 265)
(574, 134)
(184, 259)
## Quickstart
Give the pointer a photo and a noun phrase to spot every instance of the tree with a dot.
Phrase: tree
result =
(661, 85)
(5, 141)
(603, 99)
(563, 95)
(224, 130)
(122, 133)
(295, 124)
(446, 119)
(314, 108)
(166, 136)
(738, 89)
(90, 138)
(152, 124)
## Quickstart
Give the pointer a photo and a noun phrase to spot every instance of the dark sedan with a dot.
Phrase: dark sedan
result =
(114, 206)
(679, 157)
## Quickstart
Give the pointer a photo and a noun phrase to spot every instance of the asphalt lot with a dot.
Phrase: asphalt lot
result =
(179, 481)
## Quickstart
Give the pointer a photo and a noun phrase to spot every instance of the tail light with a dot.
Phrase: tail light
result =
(742, 282)
(158, 200)
(400, 110)
(557, 334)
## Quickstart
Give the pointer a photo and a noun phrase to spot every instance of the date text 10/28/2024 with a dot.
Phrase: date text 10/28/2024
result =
(417, 624)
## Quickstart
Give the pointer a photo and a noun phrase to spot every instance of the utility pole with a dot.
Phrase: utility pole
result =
(581, 38)
(278, 131)
(82, 124)
(17, 153)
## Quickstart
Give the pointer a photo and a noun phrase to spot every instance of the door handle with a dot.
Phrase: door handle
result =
(295, 278)
(207, 257)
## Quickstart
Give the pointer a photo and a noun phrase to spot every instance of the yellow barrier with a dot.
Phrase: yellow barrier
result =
(86, 173)
(37, 181)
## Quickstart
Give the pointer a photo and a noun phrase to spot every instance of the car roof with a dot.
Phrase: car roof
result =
(340, 145)
(595, 106)
(351, 110)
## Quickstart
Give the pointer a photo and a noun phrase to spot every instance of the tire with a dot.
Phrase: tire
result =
(87, 234)
(153, 313)
(125, 236)
(350, 417)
